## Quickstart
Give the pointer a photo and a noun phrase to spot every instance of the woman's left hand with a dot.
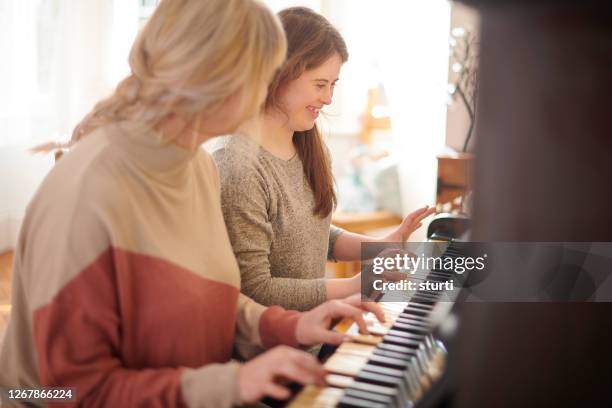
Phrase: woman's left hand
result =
(410, 224)
(314, 326)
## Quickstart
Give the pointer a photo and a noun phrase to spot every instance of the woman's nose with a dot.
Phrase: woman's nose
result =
(327, 97)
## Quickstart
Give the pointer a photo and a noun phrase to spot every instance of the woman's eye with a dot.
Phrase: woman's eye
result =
(320, 86)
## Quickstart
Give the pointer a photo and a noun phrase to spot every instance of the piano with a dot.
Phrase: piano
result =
(399, 361)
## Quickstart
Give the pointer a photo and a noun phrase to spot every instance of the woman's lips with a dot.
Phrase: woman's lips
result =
(314, 112)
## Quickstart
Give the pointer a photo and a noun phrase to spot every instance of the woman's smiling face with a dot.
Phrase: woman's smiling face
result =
(303, 98)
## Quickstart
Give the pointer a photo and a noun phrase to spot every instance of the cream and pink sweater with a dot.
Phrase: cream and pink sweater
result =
(125, 285)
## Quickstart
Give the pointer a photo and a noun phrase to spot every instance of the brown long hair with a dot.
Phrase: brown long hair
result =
(311, 40)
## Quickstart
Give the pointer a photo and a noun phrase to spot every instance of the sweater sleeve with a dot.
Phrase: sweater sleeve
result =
(334, 234)
(245, 202)
(257, 328)
(264, 326)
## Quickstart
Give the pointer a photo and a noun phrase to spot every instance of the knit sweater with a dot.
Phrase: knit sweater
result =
(280, 245)
(125, 286)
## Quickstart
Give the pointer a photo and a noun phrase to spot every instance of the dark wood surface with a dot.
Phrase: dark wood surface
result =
(454, 176)
(543, 172)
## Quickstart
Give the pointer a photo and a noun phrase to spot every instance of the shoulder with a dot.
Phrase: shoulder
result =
(79, 174)
(235, 151)
(69, 212)
(92, 178)
(238, 160)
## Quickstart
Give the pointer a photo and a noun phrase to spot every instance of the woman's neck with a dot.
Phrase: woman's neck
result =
(181, 133)
(276, 137)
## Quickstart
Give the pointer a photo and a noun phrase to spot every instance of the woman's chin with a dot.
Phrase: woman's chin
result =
(305, 127)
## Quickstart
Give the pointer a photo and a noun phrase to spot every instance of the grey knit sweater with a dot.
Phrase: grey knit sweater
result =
(280, 245)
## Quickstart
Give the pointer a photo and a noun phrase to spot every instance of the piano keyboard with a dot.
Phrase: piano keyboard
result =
(393, 365)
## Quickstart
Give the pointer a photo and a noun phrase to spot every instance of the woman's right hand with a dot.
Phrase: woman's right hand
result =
(263, 376)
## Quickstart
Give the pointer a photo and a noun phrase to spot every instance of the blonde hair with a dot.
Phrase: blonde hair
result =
(190, 57)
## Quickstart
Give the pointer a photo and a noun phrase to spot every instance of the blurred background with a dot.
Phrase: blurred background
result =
(394, 118)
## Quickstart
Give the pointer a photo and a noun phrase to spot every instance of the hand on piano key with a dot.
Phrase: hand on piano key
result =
(262, 376)
(314, 327)
(393, 365)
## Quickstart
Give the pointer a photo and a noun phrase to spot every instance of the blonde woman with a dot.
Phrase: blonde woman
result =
(276, 181)
(125, 285)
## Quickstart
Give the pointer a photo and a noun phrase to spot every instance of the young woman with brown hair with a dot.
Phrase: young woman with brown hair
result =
(125, 287)
(276, 180)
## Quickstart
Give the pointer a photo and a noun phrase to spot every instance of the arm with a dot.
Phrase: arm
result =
(348, 246)
(345, 246)
(259, 327)
(338, 288)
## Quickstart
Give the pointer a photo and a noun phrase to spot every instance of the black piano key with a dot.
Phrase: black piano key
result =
(410, 315)
(440, 273)
(373, 388)
(420, 306)
(413, 317)
(402, 386)
(350, 402)
(370, 396)
(405, 314)
(375, 383)
(432, 276)
(386, 361)
(429, 293)
(439, 276)
(378, 379)
(401, 341)
(413, 322)
(410, 328)
(378, 369)
(397, 333)
(395, 348)
(410, 351)
(418, 325)
(424, 297)
(415, 311)
(392, 354)
(429, 303)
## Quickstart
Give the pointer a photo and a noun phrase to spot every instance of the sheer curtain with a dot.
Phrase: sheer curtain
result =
(59, 57)
(404, 46)
(414, 63)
